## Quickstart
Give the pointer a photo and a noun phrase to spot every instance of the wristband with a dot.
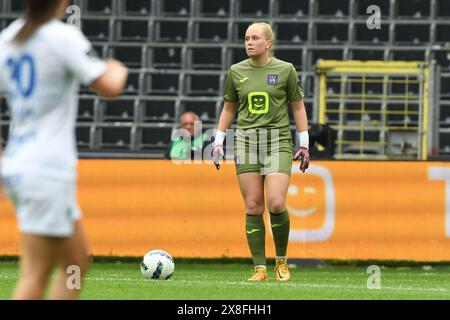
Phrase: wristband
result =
(303, 138)
(220, 137)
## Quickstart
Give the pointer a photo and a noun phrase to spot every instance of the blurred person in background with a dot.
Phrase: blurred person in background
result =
(42, 63)
(191, 140)
(260, 90)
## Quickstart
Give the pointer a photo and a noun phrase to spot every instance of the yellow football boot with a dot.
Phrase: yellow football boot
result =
(282, 270)
(260, 274)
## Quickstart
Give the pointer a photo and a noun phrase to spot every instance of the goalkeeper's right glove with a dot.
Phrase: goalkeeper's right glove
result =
(217, 153)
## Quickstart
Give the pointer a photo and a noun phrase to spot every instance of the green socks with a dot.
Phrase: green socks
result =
(256, 238)
(280, 224)
(256, 235)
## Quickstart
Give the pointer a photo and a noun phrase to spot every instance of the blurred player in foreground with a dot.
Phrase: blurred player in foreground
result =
(42, 62)
(260, 89)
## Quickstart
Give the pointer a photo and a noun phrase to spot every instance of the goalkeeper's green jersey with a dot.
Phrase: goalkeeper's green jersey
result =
(263, 93)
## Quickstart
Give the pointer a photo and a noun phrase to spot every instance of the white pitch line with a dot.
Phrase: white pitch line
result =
(269, 284)
(274, 284)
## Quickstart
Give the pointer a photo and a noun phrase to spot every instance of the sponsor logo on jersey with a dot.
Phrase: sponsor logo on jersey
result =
(258, 102)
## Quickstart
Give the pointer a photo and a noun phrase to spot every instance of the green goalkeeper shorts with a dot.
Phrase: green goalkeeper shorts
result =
(263, 150)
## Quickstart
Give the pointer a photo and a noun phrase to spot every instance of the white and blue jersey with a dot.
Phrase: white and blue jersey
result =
(40, 79)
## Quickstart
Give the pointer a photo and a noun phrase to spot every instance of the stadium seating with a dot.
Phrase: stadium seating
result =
(179, 51)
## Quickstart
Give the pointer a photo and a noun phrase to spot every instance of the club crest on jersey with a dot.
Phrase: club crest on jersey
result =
(272, 79)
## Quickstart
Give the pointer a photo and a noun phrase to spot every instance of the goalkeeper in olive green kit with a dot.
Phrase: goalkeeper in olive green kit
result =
(260, 90)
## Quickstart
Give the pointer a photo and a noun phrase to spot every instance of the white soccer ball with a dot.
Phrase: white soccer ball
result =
(157, 265)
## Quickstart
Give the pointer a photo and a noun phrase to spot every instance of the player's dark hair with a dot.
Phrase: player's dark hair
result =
(37, 12)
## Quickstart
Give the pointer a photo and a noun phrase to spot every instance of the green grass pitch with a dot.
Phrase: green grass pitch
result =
(114, 281)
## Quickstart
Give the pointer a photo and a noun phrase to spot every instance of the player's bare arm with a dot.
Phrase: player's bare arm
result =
(112, 82)
(227, 115)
